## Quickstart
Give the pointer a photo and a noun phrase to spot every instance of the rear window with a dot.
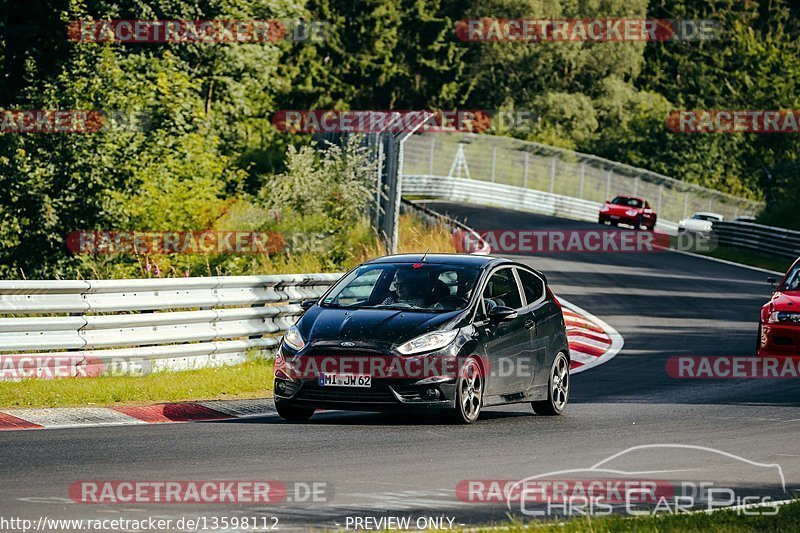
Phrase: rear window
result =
(532, 286)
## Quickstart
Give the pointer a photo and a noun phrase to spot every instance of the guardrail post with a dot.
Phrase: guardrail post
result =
(553, 174)
(431, 152)
(494, 158)
(525, 173)
(583, 178)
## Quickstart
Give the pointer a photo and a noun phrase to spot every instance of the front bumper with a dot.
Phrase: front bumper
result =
(426, 381)
(779, 340)
(619, 219)
(383, 395)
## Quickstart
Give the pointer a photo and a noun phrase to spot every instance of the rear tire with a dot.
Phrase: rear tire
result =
(557, 389)
(293, 413)
(469, 393)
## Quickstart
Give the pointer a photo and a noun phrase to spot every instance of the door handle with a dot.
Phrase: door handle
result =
(530, 324)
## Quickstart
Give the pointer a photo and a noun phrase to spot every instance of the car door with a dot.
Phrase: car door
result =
(546, 317)
(507, 343)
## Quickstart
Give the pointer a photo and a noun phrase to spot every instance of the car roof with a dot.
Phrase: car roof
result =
(478, 261)
(468, 260)
(708, 213)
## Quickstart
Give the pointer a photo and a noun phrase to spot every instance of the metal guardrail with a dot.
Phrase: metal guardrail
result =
(150, 324)
(509, 197)
(430, 216)
(777, 241)
(146, 325)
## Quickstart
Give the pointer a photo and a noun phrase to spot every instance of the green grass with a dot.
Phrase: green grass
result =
(250, 379)
(787, 519)
(749, 257)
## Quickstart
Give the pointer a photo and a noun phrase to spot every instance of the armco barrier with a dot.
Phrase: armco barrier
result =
(431, 217)
(507, 196)
(148, 324)
(777, 241)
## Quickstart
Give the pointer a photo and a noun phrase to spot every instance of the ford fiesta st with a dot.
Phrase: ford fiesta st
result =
(779, 328)
(449, 332)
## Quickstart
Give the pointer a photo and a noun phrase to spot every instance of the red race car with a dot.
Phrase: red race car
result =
(779, 327)
(629, 210)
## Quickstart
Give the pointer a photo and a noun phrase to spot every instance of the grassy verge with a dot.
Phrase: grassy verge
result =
(749, 257)
(250, 379)
(786, 519)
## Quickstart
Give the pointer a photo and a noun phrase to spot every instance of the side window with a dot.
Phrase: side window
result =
(449, 278)
(532, 286)
(360, 288)
(502, 289)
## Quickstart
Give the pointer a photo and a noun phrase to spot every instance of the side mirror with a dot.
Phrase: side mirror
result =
(307, 304)
(772, 281)
(501, 313)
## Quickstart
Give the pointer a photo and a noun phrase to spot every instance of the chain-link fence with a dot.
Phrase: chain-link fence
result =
(536, 166)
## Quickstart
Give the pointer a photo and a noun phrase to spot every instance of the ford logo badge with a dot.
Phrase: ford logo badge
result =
(348, 344)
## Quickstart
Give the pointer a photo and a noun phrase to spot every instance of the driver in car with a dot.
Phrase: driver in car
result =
(411, 287)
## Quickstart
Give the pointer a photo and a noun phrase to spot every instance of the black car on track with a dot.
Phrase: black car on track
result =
(449, 332)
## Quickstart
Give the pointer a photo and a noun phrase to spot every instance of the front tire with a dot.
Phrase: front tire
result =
(293, 413)
(557, 389)
(469, 393)
(758, 340)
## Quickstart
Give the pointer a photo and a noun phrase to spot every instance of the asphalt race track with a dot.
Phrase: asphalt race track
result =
(664, 304)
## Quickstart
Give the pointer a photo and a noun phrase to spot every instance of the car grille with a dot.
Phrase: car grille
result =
(376, 394)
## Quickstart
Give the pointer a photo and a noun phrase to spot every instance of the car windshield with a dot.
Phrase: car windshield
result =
(416, 287)
(712, 218)
(792, 282)
(624, 200)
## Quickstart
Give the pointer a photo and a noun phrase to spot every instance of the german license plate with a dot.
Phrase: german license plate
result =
(345, 380)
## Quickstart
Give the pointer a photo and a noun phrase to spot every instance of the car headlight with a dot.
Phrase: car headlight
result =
(631, 212)
(293, 339)
(783, 316)
(605, 209)
(428, 342)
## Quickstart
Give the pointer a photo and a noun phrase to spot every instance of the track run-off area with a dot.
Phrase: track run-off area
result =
(663, 304)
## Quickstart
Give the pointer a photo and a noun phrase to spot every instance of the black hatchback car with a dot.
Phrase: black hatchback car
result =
(449, 332)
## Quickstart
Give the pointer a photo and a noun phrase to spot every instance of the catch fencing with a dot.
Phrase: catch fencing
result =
(560, 173)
